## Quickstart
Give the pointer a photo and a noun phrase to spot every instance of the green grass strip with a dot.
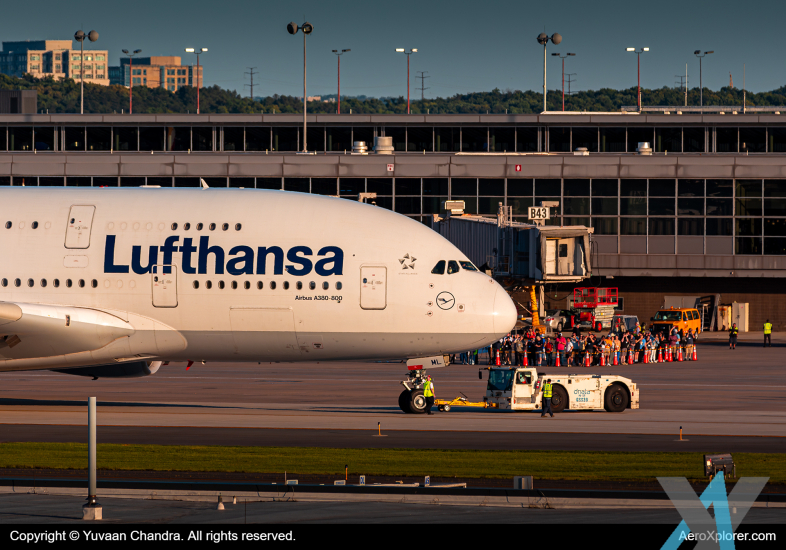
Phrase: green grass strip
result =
(575, 465)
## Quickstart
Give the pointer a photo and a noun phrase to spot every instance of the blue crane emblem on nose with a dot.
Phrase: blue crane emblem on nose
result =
(445, 300)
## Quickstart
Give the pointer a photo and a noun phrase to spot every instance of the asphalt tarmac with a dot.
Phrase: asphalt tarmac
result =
(728, 400)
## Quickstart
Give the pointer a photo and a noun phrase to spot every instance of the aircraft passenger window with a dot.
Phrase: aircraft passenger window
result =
(234, 285)
(55, 283)
(338, 285)
(30, 282)
(312, 285)
(35, 225)
(246, 285)
(81, 283)
(260, 285)
(272, 285)
(439, 269)
(225, 226)
(8, 225)
(68, 283)
(199, 227)
(212, 227)
(468, 266)
(43, 282)
(221, 285)
(17, 282)
(208, 285)
(186, 226)
(196, 284)
(299, 285)
(325, 285)
(452, 267)
(4, 282)
(174, 227)
(286, 285)
(238, 227)
(94, 283)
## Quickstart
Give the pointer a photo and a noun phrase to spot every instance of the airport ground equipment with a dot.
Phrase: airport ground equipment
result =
(521, 389)
(412, 400)
(594, 307)
(719, 463)
(445, 405)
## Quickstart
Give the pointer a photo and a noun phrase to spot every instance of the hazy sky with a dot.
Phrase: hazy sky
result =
(465, 46)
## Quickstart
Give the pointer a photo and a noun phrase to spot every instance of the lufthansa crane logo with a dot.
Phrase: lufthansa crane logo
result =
(445, 300)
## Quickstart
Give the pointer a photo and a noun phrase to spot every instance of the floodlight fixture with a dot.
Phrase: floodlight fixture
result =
(307, 29)
(80, 36)
(638, 64)
(198, 74)
(697, 53)
(407, 53)
(543, 39)
(131, 79)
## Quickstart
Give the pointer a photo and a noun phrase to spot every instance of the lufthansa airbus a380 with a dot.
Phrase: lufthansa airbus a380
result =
(112, 282)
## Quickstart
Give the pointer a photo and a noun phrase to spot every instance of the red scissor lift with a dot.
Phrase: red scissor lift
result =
(594, 307)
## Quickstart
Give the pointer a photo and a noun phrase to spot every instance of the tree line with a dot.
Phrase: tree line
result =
(62, 96)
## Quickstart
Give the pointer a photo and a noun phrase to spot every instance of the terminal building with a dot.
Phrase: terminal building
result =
(54, 59)
(702, 212)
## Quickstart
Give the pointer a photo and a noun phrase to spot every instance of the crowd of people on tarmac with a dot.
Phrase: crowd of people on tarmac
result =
(541, 349)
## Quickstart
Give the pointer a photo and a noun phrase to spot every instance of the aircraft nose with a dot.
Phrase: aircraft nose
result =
(504, 313)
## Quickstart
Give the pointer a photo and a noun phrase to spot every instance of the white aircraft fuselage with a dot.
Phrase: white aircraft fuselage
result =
(97, 276)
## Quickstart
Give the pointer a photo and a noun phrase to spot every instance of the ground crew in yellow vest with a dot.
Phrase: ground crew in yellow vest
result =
(767, 333)
(733, 336)
(547, 389)
(428, 393)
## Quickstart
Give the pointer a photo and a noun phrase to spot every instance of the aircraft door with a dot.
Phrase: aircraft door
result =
(80, 222)
(373, 287)
(164, 285)
(551, 257)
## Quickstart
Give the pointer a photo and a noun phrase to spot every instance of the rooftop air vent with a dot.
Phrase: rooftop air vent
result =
(644, 148)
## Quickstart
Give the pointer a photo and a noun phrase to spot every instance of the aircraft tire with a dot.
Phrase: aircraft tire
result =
(616, 399)
(403, 401)
(417, 402)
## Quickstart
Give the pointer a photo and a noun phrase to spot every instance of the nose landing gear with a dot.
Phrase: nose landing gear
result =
(412, 400)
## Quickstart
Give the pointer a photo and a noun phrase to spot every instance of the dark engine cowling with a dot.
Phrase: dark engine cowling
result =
(135, 369)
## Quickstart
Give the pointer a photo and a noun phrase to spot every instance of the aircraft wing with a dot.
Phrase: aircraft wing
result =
(48, 336)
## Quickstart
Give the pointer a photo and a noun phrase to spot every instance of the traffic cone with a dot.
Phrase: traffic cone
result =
(586, 359)
(668, 354)
(630, 356)
(695, 357)
(525, 362)
(602, 360)
(660, 356)
(646, 356)
(496, 359)
(614, 359)
(679, 354)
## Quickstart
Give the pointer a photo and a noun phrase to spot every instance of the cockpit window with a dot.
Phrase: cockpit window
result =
(468, 266)
(439, 269)
(452, 267)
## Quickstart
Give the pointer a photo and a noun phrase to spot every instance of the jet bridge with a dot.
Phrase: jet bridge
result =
(521, 256)
(519, 252)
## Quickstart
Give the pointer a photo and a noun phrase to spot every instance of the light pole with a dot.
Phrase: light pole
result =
(697, 53)
(543, 38)
(198, 79)
(339, 54)
(407, 53)
(638, 63)
(131, 81)
(80, 36)
(307, 28)
(562, 57)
